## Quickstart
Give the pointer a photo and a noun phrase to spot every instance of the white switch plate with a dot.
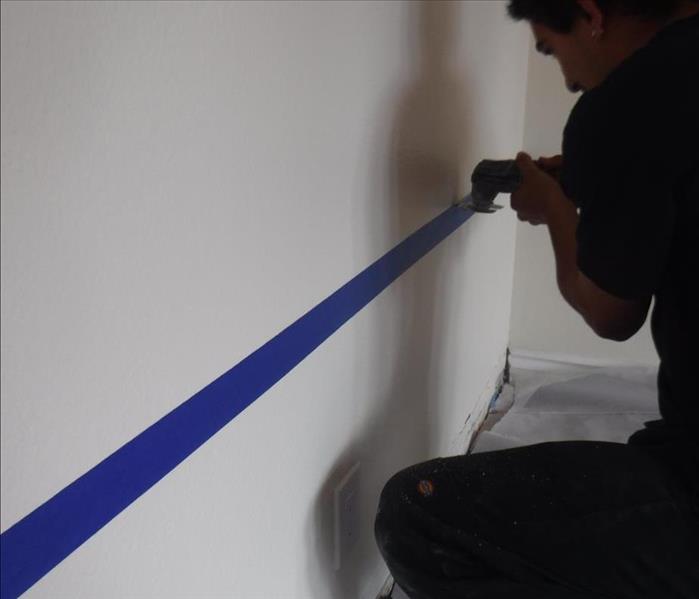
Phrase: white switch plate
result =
(346, 515)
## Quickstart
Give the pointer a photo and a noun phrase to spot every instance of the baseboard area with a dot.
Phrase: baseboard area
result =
(549, 361)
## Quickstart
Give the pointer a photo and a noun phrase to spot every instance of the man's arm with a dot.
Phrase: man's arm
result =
(540, 200)
(609, 316)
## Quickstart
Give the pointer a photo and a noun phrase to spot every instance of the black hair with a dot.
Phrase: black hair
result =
(560, 15)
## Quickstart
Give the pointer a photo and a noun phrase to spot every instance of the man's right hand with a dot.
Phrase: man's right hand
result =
(539, 193)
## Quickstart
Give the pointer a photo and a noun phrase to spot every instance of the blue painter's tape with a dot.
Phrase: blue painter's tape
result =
(46, 536)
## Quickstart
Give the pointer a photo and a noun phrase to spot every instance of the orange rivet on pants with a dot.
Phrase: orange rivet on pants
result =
(425, 487)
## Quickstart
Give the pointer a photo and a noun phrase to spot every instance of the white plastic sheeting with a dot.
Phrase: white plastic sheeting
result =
(571, 403)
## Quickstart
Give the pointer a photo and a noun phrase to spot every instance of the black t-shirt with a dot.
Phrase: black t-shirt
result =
(631, 165)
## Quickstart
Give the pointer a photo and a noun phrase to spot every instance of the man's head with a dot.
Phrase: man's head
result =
(589, 38)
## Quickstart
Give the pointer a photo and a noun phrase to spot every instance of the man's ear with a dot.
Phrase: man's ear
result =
(594, 17)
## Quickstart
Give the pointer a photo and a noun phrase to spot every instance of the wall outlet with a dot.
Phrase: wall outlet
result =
(347, 520)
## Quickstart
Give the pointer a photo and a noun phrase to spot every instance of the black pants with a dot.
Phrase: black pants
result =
(562, 520)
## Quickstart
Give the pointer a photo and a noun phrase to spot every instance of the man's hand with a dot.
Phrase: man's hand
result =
(539, 191)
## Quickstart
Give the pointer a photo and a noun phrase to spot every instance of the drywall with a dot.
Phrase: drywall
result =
(543, 325)
(181, 181)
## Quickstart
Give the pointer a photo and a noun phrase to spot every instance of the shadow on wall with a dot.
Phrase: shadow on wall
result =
(425, 158)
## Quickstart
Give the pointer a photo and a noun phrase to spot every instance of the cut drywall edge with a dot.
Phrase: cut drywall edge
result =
(462, 442)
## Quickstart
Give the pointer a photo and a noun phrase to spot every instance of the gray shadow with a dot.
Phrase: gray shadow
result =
(424, 154)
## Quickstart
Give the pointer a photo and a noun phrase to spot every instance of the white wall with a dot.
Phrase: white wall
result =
(180, 181)
(542, 322)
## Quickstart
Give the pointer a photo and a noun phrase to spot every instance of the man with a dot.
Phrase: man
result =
(590, 519)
